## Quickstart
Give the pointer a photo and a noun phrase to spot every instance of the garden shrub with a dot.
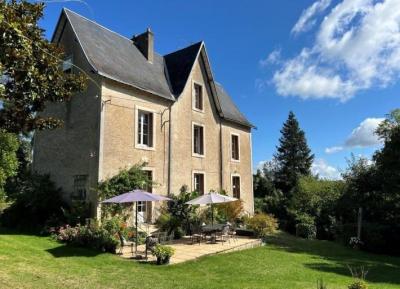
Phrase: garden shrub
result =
(176, 216)
(305, 227)
(262, 224)
(89, 236)
(163, 253)
(359, 284)
(37, 202)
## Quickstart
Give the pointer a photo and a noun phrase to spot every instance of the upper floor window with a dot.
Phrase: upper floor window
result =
(67, 64)
(145, 128)
(198, 96)
(198, 140)
(198, 183)
(235, 147)
(236, 187)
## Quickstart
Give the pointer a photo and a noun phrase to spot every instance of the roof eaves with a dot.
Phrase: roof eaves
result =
(167, 97)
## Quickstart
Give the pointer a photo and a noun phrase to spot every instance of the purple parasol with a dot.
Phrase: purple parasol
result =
(134, 197)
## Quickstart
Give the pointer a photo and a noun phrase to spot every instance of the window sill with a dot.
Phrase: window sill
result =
(197, 110)
(197, 155)
(235, 161)
(143, 147)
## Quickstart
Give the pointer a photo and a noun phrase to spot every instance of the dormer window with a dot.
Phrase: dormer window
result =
(67, 64)
(198, 97)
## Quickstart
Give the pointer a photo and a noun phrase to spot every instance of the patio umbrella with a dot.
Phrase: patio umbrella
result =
(134, 197)
(211, 198)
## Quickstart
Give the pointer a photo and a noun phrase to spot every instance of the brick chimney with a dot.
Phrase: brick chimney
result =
(145, 43)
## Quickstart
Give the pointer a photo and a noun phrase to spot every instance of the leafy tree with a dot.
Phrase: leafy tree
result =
(8, 159)
(293, 156)
(31, 74)
(388, 166)
(24, 159)
(318, 199)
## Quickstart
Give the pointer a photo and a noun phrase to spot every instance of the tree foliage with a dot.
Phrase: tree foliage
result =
(125, 181)
(293, 156)
(31, 74)
(8, 159)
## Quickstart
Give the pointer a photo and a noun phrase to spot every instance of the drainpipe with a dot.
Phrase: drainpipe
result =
(221, 151)
(169, 149)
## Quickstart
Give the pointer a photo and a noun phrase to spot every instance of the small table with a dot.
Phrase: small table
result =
(212, 230)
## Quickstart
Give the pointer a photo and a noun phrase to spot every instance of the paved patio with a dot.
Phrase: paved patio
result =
(185, 250)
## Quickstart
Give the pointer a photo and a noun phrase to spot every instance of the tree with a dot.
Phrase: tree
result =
(8, 159)
(31, 72)
(387, 162)
(293, 156)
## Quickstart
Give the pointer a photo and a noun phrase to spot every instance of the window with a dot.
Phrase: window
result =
(236, 186)
(198, 96)
(198, 140)
(198, 182)
(67, 64)
(235, 147)
(80, 187)
(149, 176)
(145, 129)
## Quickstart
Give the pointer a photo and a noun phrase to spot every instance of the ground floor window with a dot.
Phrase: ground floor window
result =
(198, 183)
(80, 187)
(236, 186)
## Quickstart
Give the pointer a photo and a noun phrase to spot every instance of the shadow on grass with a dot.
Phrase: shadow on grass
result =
(381, 268)
(71, 251)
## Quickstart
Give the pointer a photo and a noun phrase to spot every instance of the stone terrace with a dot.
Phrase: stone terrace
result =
(185, 250)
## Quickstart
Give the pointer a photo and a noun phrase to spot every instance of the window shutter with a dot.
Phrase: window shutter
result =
(151, 130)
(201, 140)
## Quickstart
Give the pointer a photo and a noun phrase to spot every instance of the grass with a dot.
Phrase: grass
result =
(286, 262)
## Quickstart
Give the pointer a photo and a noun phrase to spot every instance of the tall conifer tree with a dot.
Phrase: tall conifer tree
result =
(293, 156)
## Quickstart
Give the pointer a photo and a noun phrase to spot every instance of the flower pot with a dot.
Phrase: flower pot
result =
(162, 261)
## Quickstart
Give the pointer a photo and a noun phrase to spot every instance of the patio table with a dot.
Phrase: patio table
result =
(212, 230)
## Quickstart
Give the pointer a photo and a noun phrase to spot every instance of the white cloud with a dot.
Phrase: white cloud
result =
(306, 20)
(362, 136)
(356, 47)
(321, 168)
(333, 149)
(273, 58)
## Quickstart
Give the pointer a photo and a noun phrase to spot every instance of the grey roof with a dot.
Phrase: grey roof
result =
(180, 65)
(229, 110)
(116, 57)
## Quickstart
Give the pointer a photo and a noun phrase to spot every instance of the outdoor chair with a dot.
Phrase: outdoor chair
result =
(151, 242)
(124, 243)
(224, 234)
(232, 234)
(196, 234)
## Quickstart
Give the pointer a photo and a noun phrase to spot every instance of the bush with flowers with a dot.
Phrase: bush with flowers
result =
(90, 236)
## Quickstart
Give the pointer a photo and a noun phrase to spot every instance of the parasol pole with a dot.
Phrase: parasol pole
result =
(136, 228)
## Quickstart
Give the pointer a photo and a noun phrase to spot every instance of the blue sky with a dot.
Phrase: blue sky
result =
(334, 63)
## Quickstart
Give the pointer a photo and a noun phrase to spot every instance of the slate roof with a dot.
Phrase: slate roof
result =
(116, 57)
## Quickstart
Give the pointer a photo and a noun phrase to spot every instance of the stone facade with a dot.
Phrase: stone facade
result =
(100, 137)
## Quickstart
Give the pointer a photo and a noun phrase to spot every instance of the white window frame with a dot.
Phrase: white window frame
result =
(232, 159)
(204, 142)
(240, 184)
(137, 144)
(204, 180)
(194, 96)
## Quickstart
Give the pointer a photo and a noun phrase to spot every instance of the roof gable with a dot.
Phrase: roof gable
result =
(180, 64)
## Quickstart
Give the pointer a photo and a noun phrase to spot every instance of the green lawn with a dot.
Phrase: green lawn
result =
(285, 263)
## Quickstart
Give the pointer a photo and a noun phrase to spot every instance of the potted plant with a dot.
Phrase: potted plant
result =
(163, 253)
